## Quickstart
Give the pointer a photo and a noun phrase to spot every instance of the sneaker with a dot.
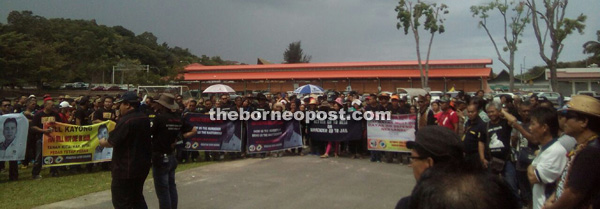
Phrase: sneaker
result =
(37, 177)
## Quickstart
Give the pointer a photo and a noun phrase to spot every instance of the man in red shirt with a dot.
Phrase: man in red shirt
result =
(449, 118)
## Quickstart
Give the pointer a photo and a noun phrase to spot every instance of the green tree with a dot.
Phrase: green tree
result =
(557, 26)
(410, 17)
(294, 54)
(514, 24)
(593, 47)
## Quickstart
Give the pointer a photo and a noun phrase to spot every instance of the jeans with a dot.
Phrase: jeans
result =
(510, 176)
(37, 166)
(524, 186)
(164, 180)
(128, 193)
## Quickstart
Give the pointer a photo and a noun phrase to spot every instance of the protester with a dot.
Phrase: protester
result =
(9, 131)
(132, 154)
(448, 118)
(433, 146)
(45, 117)
(475, 138)
(460, 186)
(425, 115)
(104, 112)
(165, 131)
(578, 184)
(499, 147)
(551, 160)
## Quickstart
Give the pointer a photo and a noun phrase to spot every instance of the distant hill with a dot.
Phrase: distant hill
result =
(48, 52)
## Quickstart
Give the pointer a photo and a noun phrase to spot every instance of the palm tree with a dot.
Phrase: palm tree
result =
(593, 47)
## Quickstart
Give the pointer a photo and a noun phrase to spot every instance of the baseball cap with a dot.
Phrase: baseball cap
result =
(439, 141)
(444, 100)
(65, 104)
(129, 96)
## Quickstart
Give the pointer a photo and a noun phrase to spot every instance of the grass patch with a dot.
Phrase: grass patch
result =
(28, 193)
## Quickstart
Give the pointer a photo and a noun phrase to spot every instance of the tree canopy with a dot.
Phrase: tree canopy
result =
(295, 54)
(38, 51)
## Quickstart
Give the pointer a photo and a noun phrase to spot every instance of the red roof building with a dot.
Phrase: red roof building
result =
(368, 77)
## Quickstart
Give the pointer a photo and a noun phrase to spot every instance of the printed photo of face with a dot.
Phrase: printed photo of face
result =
(9, 131)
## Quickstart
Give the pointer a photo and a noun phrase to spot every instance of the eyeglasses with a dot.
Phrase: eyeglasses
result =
(417, 158)
(6, 105)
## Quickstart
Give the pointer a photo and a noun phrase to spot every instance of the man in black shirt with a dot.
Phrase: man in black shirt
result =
(475, 137)
(82, 116)
(165, 129)
(105, 112)
(47, 115)
(132, 152)
(498, 142)
(262, 103)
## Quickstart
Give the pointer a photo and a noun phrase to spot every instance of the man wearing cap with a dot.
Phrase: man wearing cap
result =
(448, 118)
(433, 146)
(396, 108)
(166, 127)
(132, 153)
(578, 184)
(82, 118)
(262, 106)
(384, 99)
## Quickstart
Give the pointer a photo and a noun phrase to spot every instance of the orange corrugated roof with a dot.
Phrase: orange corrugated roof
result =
(338, 64)
(339, 74)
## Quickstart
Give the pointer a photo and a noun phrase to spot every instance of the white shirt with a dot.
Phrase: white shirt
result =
(548, 165)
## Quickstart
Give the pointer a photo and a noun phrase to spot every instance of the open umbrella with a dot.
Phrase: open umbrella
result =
(219, 88)
(309, 89)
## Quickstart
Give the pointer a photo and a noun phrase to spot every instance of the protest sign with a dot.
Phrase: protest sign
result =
(72, 144)
(391, 135)
(13, 140)
(213, 135)
(335, 130)
(273, 135)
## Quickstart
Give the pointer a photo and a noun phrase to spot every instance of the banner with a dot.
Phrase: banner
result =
(337, 130)
(13, 141)
(72, 144)
(213, 135)
(391, 135)
(273, 135)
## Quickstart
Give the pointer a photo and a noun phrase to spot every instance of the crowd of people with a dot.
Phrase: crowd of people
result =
(541, 157)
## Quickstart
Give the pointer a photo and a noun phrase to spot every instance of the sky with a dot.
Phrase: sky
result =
(330, 30)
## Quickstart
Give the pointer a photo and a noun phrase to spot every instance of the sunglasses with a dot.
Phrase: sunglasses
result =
(6, 105)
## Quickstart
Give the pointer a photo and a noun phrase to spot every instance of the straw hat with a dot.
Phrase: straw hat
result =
(167, 100)
(584, 104)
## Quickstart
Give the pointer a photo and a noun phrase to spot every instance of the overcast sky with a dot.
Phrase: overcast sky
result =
(330, 30)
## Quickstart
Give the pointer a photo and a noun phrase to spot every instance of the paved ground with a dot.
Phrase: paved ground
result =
(286, 182)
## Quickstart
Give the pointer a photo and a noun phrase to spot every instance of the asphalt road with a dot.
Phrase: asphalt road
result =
(286, 182)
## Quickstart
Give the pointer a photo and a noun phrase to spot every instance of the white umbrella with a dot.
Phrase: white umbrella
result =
(219, 88)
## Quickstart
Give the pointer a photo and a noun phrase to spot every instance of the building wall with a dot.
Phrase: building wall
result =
(359, 85)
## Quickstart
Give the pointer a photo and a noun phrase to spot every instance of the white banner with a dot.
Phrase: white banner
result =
(391, 135)
(13, 140)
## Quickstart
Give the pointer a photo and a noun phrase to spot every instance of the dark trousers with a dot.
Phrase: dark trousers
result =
(128, 193)
(37, 166)
(164, 181)
(13, 169)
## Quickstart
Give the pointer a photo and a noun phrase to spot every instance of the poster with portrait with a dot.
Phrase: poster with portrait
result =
(13, 140)
(72, 144)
